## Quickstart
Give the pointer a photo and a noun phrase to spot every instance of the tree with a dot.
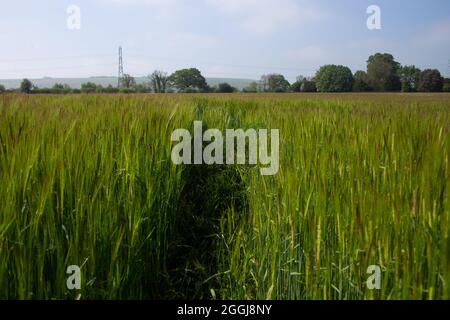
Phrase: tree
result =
(446, 87)
(303, 85)
(142, 88)
(127, 90)
(26, 86)
(99, 88)
(2, 88)
(431, 81)
(382, 72)
(225, 88)
(127, 81)
(333, 78)
(88, 87)
(263, 85)
(188, 80)
(308, 86)
(60, 88)
(277, 83)
(296, 86)
(208, 89)
(110, 89)
(273, 83)
(252, 87)
(67, 88)
(409, 77)
(158, 81)
(360, 83)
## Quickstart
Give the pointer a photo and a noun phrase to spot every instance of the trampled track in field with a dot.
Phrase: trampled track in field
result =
(88, 180)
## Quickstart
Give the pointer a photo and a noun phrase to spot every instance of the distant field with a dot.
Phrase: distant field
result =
(88, 180)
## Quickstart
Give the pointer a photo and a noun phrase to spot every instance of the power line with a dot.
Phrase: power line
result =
(174, 60)
(225, 64)
(2, 60)
(201, 62)
(72, 67)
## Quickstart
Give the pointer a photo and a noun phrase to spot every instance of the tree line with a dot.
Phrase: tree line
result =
(383, 74)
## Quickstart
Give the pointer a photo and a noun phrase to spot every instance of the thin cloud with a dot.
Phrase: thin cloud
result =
(163, 9)
(176, 40)
(436, 35)
(266, 16)
(308, 54)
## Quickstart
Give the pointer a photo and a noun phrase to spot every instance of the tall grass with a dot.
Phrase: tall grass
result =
(88, 180)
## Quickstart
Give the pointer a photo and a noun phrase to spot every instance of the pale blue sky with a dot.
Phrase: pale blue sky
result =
(223, 38)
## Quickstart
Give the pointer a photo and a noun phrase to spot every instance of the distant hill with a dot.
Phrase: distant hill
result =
(106, 81)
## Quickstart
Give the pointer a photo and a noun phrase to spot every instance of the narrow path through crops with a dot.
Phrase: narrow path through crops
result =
(207, 193)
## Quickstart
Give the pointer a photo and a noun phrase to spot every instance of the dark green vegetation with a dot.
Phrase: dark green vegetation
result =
(188, 80)
(88, 180)
(383, 74)
(430, 81)
(332, 78)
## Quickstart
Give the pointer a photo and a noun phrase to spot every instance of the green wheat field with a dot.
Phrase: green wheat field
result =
(88, 180)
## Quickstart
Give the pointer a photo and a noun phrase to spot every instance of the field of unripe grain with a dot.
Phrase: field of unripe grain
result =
(88, 180)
